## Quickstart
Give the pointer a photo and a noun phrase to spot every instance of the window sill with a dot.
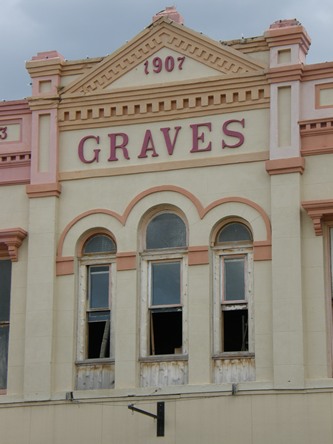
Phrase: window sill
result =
(233, 355)
(95, 361)
(3, 392)
(164, 358)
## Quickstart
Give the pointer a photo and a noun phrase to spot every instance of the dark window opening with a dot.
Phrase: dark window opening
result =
(166, 332)
(5, 284)
(99, 338)
(235, 330)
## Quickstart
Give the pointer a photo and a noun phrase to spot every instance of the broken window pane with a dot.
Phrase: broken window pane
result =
(166, 230)
(234, 252)
(166, 332)
(98, 316)
(4, 336)
(99, 336)
(235, 330)
(165, 283)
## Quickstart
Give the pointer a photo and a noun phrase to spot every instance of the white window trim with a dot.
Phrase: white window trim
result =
(146, 259)
(218, 253)
(82, 334)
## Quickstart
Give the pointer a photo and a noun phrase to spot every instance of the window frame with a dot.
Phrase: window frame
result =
(221, 251)
(86, 262)
(5, 324)
(149, 257)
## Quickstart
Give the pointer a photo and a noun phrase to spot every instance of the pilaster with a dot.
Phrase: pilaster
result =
(39, 325)
(288, 43)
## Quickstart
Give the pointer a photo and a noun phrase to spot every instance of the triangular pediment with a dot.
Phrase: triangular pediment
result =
(163, 52)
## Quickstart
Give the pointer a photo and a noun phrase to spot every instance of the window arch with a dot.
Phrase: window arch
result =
(99, 243)
(234, 232)
(165, 230)
(97, 266)
(163, 285)
(233, 247)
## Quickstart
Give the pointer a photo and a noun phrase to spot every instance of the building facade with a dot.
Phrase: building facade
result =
(166, 241)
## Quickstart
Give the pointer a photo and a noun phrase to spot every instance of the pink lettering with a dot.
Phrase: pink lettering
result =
(148, 140)
(231, 133)
(122, 145)
(81, 150)
(170, 144)
(196, 138)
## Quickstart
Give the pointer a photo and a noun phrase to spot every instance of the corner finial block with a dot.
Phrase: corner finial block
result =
(171, 13)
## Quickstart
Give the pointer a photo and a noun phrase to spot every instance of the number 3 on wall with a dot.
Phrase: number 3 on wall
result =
(168, 64)
(3, 132)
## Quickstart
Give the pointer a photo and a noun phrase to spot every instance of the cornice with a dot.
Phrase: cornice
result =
(46, 102)
(14, 108)
(287, 73)
(285, 166)
(316, 136)
(248, 45)
(168, 101)
(318, 71)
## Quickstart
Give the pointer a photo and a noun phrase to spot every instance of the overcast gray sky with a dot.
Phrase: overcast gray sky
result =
(91, 28)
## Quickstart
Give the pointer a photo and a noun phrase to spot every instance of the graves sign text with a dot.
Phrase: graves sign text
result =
(119, 146)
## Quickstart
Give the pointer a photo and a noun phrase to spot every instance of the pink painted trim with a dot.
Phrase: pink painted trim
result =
(316, 136)
(9, 122)
(318, 89)
(285, 166)
(198, 255)
(44, 190)
(65, 266)
(262, 251)
(12, 238)
(77, 219)
(48, 55)
(202, 211)
(15, 173)
(88, 235)
(50, 176)
(319, 211)
(126, 261)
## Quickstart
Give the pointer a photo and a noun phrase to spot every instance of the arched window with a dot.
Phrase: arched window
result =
(233, 259)
(163, 266)
(96, 276)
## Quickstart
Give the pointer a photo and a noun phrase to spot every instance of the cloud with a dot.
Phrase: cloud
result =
(78, 29)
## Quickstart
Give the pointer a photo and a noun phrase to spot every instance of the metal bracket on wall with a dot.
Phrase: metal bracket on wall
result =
(159, 416)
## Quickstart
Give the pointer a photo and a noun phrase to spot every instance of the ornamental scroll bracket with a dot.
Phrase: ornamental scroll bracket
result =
(10, 241)
(320, 211)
